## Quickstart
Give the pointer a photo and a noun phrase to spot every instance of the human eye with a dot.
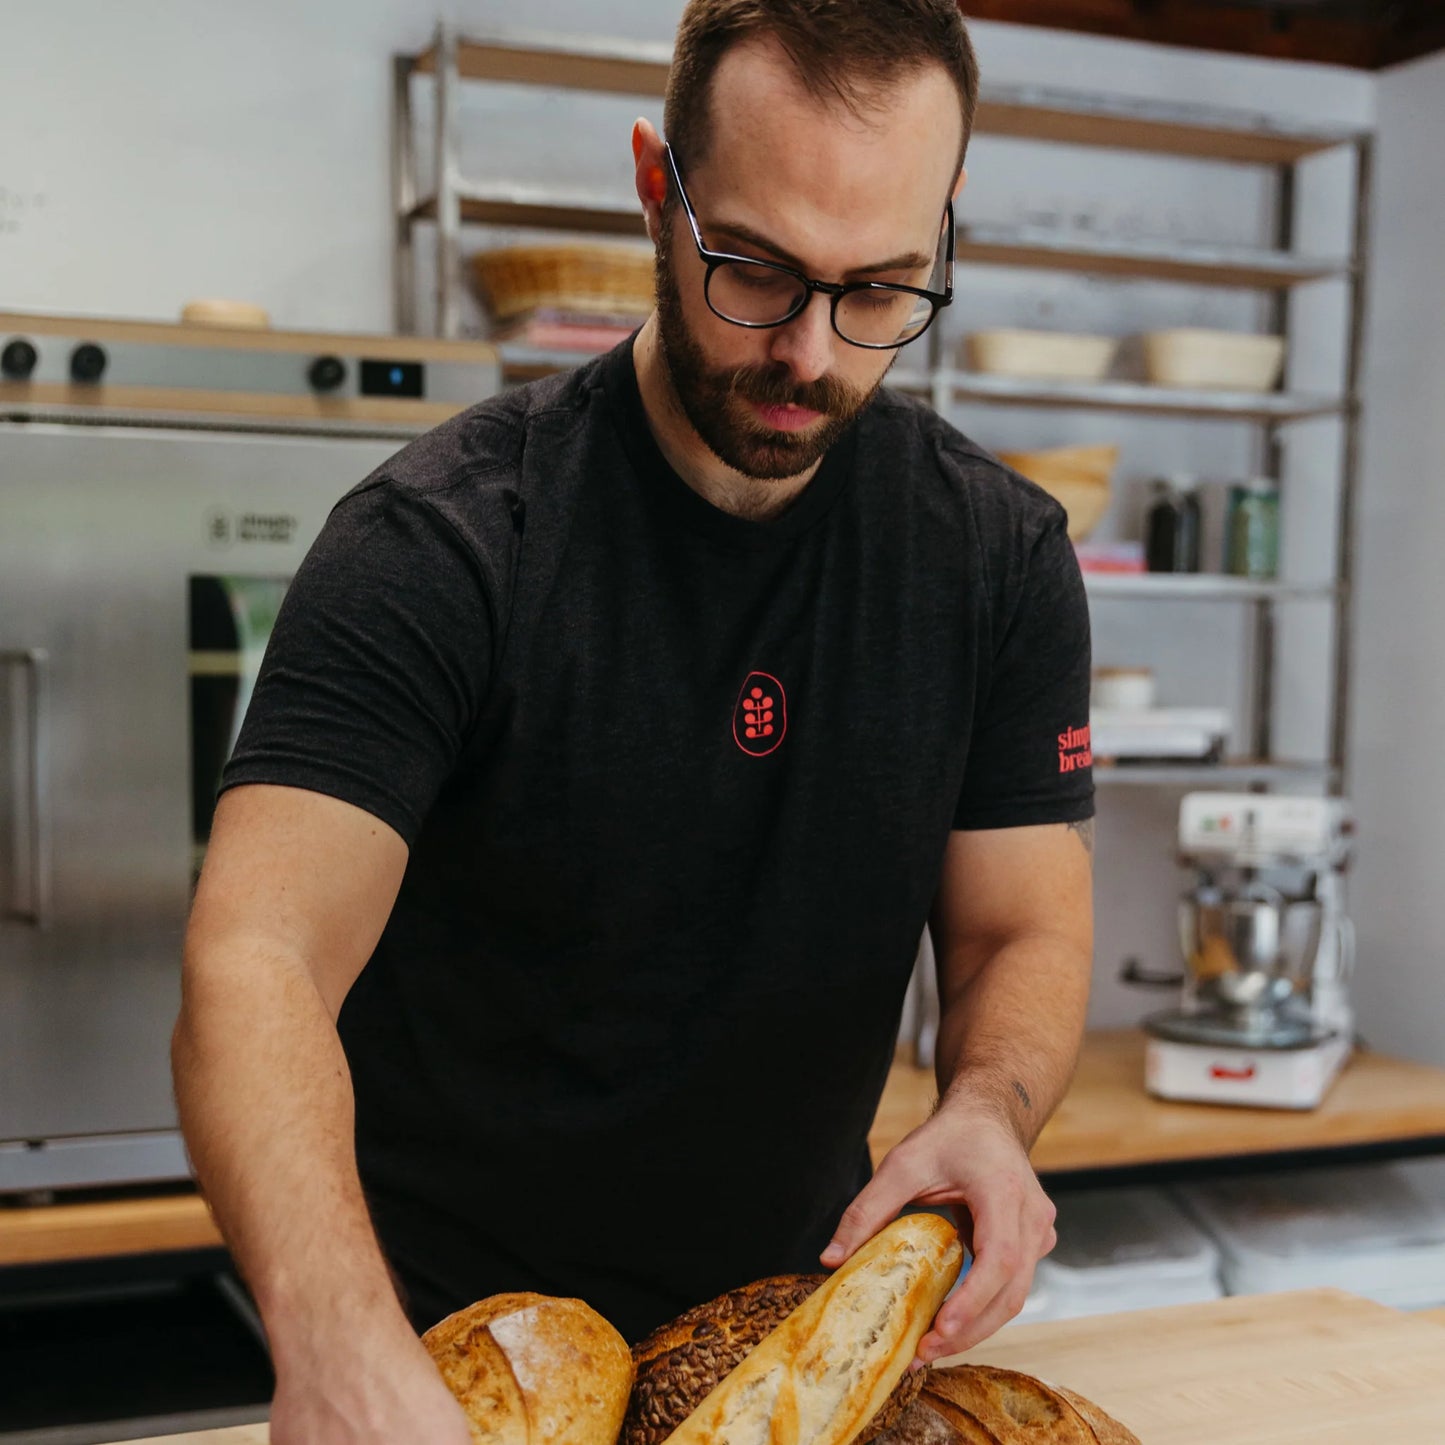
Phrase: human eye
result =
(881, 298)
(760, 277)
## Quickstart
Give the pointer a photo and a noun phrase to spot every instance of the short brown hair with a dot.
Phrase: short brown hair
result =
(843, 50)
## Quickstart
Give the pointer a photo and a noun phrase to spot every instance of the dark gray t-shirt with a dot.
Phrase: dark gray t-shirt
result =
(677, 788)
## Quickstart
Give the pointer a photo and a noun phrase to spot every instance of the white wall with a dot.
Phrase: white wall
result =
(1399, 763)
(164, 149)
(161, 149)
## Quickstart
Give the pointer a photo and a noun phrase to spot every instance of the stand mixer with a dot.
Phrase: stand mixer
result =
(1265, 1018)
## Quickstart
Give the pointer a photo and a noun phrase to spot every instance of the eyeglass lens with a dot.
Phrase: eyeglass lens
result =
(764, 296)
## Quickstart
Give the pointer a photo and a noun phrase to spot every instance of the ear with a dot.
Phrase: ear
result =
(651, 175)
(962, 181)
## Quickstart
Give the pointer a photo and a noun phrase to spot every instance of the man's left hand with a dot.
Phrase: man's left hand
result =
(968, 1158)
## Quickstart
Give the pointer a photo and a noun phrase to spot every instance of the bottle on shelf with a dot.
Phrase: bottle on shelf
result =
(1251, 529)
(1171, 529)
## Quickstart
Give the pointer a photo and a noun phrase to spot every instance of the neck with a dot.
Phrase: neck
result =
(689, 456)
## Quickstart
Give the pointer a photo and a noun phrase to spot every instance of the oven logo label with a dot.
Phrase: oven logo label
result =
(760, 716)
(224, 529)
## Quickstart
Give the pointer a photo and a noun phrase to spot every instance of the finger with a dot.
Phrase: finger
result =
(1001, 1257)
(1004, 1307)
(877, 1204)
(995, 1289)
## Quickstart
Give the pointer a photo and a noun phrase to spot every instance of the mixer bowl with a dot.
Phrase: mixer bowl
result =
(1251, 951)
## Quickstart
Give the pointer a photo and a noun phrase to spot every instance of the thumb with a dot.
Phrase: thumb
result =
(877, 1204)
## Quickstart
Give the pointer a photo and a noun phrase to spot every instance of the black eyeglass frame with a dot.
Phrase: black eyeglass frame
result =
(834, 289)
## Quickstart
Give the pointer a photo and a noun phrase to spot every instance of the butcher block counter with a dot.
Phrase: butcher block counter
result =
(1106, 1122)
(1314, 1368)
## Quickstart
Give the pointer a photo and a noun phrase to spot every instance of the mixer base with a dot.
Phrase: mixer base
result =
(1296, 1077)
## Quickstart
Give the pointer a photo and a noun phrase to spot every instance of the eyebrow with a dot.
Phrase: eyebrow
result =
(909, 261)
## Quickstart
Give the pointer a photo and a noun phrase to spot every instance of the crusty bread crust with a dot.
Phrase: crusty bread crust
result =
(823, 1374)
(531, 1369)
(681, 1362)
(983, 1405)
(1009, 1405)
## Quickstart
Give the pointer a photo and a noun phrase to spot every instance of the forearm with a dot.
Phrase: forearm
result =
(1010, 1029)
(267, 1110)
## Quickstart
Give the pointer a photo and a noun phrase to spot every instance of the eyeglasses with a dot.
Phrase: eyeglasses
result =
(873, 314)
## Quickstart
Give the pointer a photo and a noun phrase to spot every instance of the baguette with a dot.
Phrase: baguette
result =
(823, 1374)
(530, 1369)
(681, 1362)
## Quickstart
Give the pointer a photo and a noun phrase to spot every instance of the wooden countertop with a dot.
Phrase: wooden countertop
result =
(1314, 1368)
(1106, 1121)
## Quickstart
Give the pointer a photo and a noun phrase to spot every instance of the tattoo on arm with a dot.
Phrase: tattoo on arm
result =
(1085, 830)
(1023, 1094)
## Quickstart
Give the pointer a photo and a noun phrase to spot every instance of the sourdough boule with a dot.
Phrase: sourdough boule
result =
(983, 1405)
(532, 1369)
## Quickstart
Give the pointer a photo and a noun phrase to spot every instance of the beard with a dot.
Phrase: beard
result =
(716, 399)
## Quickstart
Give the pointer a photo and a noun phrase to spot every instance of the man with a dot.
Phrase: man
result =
(615, 744)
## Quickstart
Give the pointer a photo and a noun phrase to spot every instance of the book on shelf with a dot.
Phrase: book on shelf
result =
(548, 329)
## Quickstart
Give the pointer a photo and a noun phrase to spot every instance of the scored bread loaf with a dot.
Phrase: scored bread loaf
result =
(531, 1369)
(823, 1374)
(681, 1362)
(983, 1405)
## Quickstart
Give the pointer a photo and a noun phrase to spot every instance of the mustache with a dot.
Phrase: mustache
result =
(773, 386)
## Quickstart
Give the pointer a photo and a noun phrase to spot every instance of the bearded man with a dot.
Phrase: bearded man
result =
(615, 745)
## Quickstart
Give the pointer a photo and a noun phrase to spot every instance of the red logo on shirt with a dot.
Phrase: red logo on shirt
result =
(760, 717)
(1075, 750)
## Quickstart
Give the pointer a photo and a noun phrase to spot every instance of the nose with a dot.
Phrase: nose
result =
(805, 345)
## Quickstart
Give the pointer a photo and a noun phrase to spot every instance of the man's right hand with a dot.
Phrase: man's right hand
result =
(393, 1396)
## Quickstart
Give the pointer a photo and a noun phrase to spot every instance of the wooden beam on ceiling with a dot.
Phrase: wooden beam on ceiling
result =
(1416, 28)
(1420, 31)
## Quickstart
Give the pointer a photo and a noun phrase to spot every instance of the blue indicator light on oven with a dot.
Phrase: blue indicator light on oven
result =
(392, 378)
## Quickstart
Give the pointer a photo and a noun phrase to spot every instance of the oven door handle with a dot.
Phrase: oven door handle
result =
(27, 897)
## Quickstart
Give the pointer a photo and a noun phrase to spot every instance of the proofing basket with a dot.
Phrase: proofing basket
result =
(589, 278)
(1215, 360)
(1046, 355)
(1076, 477)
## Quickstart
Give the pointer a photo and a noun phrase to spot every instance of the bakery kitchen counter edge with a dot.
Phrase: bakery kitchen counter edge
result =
(1317, 1366)
(1106, 1122)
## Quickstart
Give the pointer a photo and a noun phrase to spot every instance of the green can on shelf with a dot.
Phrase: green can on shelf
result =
(1251, 529)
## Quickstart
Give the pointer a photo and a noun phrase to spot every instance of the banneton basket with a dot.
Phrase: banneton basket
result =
(594, 279)
(1223, 360)
(1046, 355)
(1077, 477)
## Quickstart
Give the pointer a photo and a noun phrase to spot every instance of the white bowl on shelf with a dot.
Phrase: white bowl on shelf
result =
(1042, 355)
(1213, 360)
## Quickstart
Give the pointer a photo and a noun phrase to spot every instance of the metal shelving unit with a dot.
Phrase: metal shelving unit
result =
(1191, 133)
(1203, 587)
(1233, 773)
(1123, 396)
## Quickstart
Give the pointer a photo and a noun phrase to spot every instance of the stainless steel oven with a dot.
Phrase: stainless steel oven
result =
(140, 566)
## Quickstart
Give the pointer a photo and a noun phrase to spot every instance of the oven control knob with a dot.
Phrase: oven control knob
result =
(326, 373)
(87, 362)
(18, 359)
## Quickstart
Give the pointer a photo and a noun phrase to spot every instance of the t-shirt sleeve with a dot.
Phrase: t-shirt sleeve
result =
(1030, 759)
(378, 663)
